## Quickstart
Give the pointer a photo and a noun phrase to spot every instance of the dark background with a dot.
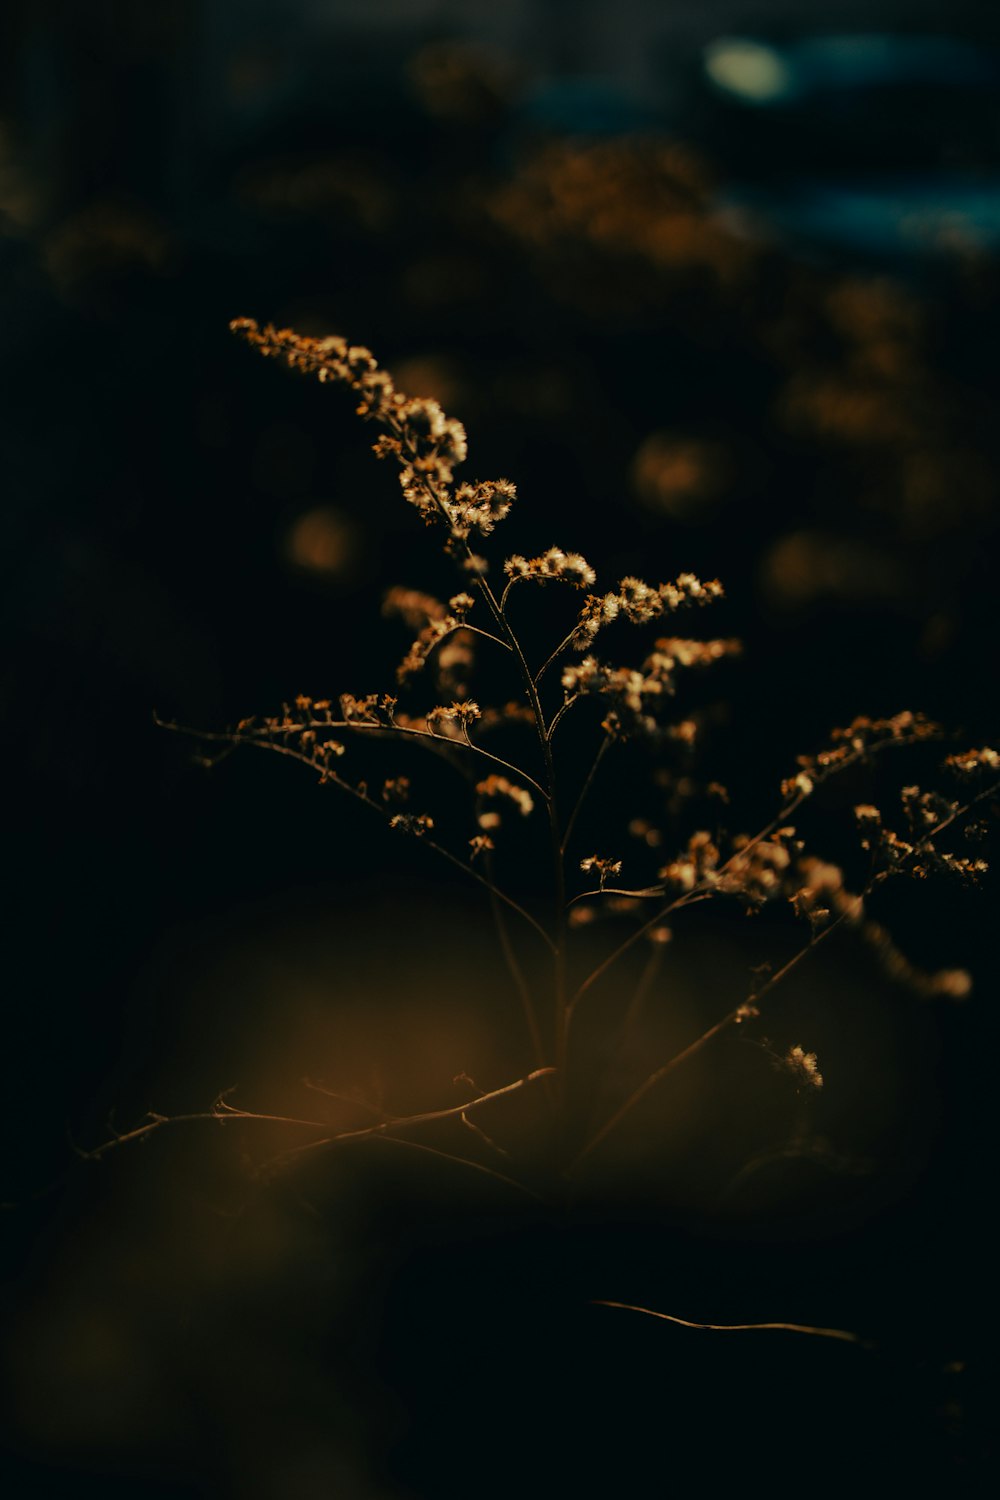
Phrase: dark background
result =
(751, 340)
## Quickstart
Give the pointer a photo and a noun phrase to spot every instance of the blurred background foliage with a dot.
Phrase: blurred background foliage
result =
(717, 285)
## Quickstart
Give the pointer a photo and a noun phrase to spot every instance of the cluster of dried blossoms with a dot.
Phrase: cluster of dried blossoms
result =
(633, 694)
(772, 867)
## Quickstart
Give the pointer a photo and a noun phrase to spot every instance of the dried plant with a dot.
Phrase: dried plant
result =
(634, 702)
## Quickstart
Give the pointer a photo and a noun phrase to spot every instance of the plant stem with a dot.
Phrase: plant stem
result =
(584, 790)
(550, 659)
(559, 714)
(560, 1007)
(823, 1333)
(520, 983)
(475, 630)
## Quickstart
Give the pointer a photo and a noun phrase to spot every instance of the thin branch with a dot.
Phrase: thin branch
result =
(460, 1161)
(498, 760)
(520, 983)
(849, 913)
(405, 1122)
(840, 1334)
(614, 890)
(487, 1140)
(437, 742)
(702, 1041)
(992, 790)
(223, 1112)
(550, 659)
(494, 890)
(644, 1088)
(690, 898)
(152, 1123)
(486, 634)
(509, 585)
(646, 980)
(634, 1010)
(603, 749)
(559, 714)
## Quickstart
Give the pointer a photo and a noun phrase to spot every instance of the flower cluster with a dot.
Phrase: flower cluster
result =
(452, 666)
(374, 708)
(695, 867)
(458, 716)
(569, 567)
(636, 693)
(640, 603)
(504, 714)
(759, 870)
(304, 719)
(494, 788)
(974, 762)
(919, 855)
(804, 1067)
(644, 202)
(416, 824)
(821, 895)
(478, 507)
(605, 868)
(856, 742)
(426, 444)
(440, 626)
(925, 810)
(628, 690)
(415, 608)
(671, 652)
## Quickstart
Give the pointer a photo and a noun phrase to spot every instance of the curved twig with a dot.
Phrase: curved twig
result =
(614, 890)
(560, 713)
(840, 1334)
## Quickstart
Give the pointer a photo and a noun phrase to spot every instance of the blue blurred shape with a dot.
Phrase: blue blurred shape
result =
(757, 72)
(929, 215)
